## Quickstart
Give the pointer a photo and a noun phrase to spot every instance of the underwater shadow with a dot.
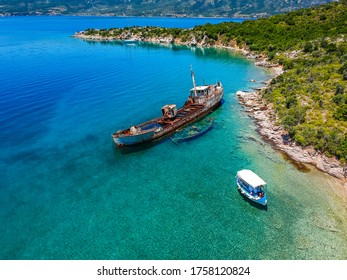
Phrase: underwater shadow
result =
(136, 148)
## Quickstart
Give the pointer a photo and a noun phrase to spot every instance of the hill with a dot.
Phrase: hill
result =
(224, 8)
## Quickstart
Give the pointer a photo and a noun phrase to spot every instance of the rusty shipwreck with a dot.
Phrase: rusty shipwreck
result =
(202, 100)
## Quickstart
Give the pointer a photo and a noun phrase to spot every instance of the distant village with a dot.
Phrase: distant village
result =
(62, 11)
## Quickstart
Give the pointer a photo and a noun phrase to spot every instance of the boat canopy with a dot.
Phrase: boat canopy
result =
(250, 178)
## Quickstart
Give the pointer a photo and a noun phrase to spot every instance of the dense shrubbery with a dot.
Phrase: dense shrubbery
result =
(311, 96)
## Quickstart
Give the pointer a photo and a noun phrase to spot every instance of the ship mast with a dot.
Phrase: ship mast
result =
(193, 79)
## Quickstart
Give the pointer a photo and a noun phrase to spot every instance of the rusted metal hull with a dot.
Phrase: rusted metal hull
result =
(192, 119)
(134, 139)
(188, 114)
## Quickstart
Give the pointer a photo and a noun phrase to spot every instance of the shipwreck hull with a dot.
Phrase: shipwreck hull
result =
(168, 129)
(133, 139)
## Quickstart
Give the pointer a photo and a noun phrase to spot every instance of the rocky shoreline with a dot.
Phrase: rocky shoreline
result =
(257, 108)
(266, 118)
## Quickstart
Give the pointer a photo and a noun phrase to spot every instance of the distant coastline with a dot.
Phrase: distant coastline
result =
(239, 17)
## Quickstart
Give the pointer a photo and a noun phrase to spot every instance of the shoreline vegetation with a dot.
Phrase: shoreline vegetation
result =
(302, 110)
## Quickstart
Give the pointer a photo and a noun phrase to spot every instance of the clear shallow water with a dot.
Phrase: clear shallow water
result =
(67, 193)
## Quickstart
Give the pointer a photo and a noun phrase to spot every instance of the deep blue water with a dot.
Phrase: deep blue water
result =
(67, 193)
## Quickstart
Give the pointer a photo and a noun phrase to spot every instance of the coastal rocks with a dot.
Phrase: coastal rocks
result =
(265, 63)
(166, 40)
(203, 41)
(292, 54)
(260, 60)
(193, 42)
(266, 119)
(252, 100)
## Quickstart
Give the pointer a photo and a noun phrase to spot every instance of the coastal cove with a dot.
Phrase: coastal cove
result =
(259, 109)
(68, 193)
(306, 105)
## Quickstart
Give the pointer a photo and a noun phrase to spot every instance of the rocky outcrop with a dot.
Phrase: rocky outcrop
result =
(122, 37)
(267, 120)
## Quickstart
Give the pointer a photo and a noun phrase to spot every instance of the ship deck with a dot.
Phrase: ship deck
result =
(182, 113)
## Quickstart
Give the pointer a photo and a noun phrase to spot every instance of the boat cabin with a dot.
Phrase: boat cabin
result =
(200, 93)
(169, 111)
(251, 182)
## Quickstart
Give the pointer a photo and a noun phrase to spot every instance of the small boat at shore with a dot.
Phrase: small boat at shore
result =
(192, 132)
(201, 101)
(251, 186)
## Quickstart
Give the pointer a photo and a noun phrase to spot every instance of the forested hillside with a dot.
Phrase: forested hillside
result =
(225, 8)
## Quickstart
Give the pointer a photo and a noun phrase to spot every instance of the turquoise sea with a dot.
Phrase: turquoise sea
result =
(66, 192)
